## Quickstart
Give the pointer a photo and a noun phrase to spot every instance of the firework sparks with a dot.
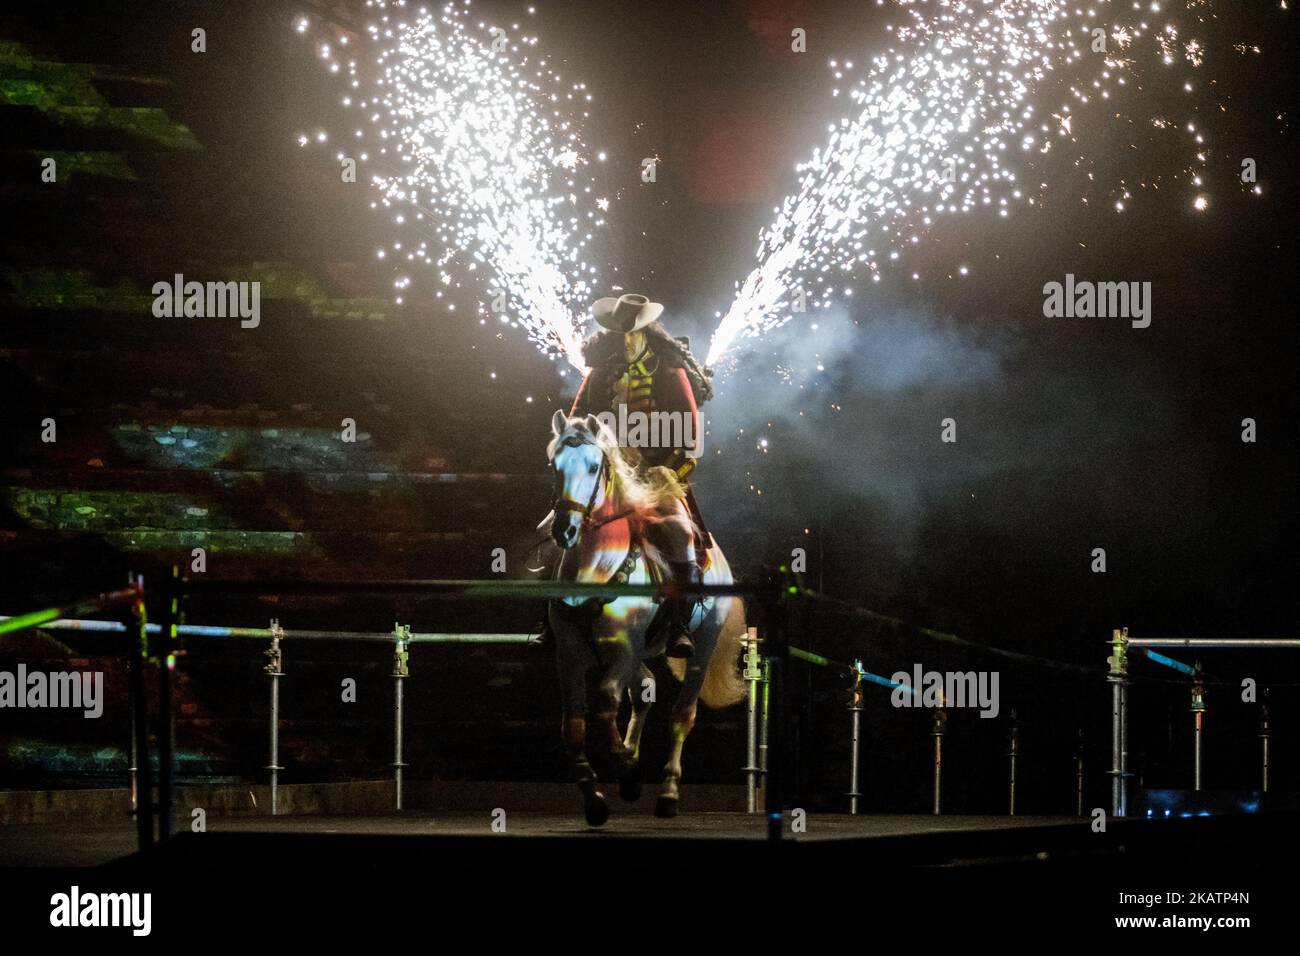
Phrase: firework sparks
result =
(937, 122)
(474, 146)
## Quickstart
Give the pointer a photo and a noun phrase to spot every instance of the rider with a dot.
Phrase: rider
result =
(635, 363)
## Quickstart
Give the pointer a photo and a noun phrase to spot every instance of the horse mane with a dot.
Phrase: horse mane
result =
(651, 495)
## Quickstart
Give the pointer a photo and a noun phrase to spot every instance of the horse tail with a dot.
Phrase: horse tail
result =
(723, 685)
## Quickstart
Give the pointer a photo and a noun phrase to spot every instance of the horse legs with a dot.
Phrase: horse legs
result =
(683, 714)
(573, 731)
(629, 760)
(683, 721)
(605, 715)
(573, 728)
(640, 711)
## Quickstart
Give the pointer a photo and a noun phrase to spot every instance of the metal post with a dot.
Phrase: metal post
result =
(133, 760)
(1013, 751)
(778, 657)
(274, 669)
(1078, 776)
(134, 763)
(1263, 738)
(166, 659)
(1125, 775)
(855, 706)
(1118, 680)
(138, 629)
(753, 675)
(1198, 713)
(936, 731)
(763, 724)
(401, 670)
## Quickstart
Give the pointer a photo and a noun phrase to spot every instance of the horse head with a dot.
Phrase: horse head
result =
(579, 454)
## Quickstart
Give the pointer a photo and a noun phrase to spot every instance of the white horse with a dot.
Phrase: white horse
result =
(607, 517)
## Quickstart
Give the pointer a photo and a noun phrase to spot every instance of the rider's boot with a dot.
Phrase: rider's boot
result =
(680, 609)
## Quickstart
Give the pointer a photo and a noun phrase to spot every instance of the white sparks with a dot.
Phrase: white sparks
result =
(934, 121)
(478, 145)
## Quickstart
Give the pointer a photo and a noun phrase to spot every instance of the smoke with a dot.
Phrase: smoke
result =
(828, 435)
(900, 444)
(841, 414)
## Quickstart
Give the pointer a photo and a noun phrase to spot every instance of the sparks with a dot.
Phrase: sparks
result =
(477, 150)
(934, 122)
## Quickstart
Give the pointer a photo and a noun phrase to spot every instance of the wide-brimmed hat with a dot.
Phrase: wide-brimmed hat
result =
(625, 314)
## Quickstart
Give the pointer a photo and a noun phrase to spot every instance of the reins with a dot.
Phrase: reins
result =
(590, 523)
(561, 505)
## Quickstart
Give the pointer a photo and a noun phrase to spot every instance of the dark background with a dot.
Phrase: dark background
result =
(1071, 434)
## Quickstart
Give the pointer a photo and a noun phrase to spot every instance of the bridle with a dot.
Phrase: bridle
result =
(561, 505)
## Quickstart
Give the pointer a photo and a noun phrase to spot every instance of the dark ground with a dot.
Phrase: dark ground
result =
(45, 844)
(953, 880)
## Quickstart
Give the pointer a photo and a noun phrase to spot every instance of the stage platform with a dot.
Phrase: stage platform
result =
(908, 840)
(359, 874)
(96, 844)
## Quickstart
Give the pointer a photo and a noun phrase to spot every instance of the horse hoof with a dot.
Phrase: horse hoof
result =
(666, 807)
(629, 782)
(596, 809)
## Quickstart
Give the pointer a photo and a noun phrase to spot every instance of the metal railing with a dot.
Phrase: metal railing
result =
(48, 617)
(767, 657)
(769, 594)
(1119, 678)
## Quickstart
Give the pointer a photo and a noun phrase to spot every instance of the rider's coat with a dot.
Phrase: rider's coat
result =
(656, 381)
